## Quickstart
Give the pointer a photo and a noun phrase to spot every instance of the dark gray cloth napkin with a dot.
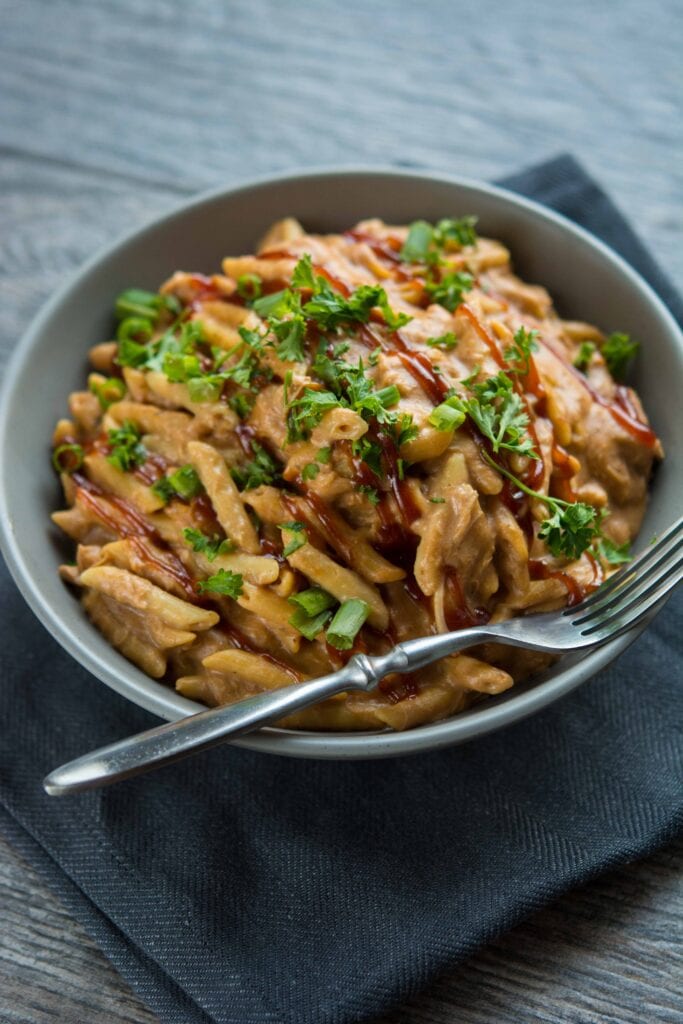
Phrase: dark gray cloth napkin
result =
(240, 888)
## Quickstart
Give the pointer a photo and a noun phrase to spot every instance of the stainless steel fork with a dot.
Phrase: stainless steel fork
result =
(616, 607)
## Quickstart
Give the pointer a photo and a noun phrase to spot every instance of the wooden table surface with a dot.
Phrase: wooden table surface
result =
(110, 112)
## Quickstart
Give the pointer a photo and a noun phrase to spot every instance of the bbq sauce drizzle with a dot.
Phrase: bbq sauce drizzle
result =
(395, 538)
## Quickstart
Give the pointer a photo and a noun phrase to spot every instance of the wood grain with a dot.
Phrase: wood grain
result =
(111, 112)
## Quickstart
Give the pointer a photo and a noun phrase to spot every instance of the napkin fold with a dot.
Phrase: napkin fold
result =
(242, 888)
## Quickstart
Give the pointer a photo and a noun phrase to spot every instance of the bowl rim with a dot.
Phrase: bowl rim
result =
(516, 704)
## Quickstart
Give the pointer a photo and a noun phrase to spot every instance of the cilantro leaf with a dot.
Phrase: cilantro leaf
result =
(303, 275)
(310, 471)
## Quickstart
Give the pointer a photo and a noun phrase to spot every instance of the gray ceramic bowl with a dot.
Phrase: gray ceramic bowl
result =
(587, 280)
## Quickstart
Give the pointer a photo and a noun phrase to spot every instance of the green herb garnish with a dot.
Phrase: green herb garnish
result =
(224, 582)
(310, 471)
(210, 547)
(313, 601)
(347, 622)
(263, 469)
(249, 286)
(309, 625)
(108, 391)
(67, 458)
(127, 451)
(297, 538)
(612, 553)
(449, 415)
(518, 354)
(446, 341)
(182, 483)
(584, 355)
(449, 291)
(425, 242)
(618, 351)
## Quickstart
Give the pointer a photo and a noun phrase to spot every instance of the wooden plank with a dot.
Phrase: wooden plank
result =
(192, 95)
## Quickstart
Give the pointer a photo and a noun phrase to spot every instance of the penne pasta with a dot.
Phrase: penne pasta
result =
(339, 443)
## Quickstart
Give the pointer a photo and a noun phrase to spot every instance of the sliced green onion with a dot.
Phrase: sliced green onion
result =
(448, 416)
(249, 286)
(108, 391)
(313, 601)
(67, 458)
(185, 482)
(348, 620)
(135, 328)
(309, 625)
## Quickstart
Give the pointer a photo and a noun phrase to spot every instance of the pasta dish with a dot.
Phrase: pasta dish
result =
(342, 442)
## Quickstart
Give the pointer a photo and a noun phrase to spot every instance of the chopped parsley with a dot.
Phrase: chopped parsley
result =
(446, 341)
(438, 501)
(618, 351)
(181, 483)
(352, 389)
(584, 355)
(347, 622)
(310, 471)
(210, 547)
(572, 526)
(612, 553)
(425, 242)
(263, 469)
(450, 289)
(225, 583)
(370, 493)
(127, 451)
(499, 413)
(518, 354)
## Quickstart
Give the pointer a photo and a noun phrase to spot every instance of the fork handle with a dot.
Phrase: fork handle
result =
(172, 741)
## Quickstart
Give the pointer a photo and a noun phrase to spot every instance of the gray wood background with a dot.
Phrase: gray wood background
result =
(111, 111)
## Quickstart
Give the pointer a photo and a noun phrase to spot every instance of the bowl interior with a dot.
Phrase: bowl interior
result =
(586, 280)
